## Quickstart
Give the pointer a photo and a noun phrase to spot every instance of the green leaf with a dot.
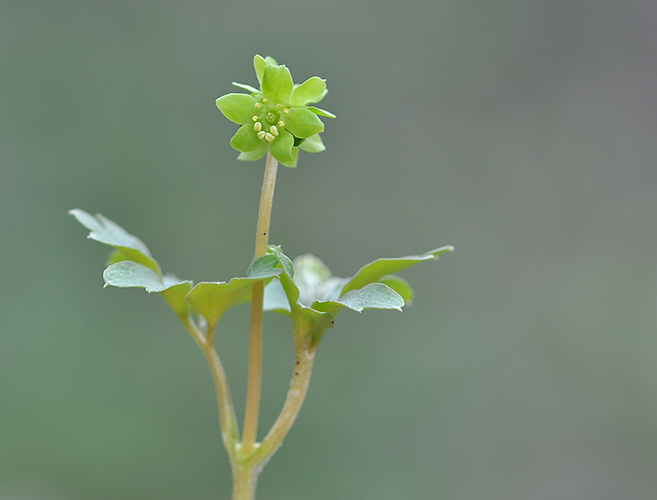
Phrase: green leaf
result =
(309, 279)
(246, 139)
(400, 286)
(309, 91)
(374, 271)
(287, 278)
(175, 295)
(321, 112)
(277, 84)
(264, 267)
(238, 108)
(303, 123)
(105, 231)
(275, 298)
(313, 144)
(314, 281)
(129, 274)
(372, 296)
(212, 300)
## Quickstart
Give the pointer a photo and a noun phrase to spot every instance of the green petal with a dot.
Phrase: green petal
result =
(277, 84)
(295, 158)
(313, 144)
(254, 155)
(309, 91)
(238, 108)
(246, 139)
(317, 99)
(246, 87)
(259, 64)
(281, 148)
(321, 112)
(303, 123)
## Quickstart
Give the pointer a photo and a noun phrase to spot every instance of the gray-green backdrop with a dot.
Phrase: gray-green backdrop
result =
(522, 132)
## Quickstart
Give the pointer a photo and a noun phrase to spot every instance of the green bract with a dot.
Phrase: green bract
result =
(277, 118)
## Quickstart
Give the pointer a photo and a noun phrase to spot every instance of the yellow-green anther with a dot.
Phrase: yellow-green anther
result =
(281, 124)
(268, 136)
(261, 134)
(286, 111)
(273, 130)
(255, 118)
(264, 101)
(257, 126)
(279, 106)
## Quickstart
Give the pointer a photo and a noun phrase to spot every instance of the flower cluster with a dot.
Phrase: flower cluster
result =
(277, 118)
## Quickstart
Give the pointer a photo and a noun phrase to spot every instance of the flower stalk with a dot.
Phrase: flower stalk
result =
(254, 383)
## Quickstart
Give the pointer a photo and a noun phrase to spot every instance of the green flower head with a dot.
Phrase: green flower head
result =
(277, 118)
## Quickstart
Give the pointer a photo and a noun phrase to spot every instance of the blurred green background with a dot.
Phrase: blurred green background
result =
(521, 132)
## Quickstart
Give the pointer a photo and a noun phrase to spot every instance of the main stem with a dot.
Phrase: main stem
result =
(255, 337)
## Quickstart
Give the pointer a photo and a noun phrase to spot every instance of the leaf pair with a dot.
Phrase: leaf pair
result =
(308, 293)
(305, 290)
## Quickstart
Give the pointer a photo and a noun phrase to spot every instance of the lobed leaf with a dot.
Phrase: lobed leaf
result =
(308, 279)
(372, 296)
(212, 300)
(374, 271)
(105, 231)
(130, 274)
(400, 286)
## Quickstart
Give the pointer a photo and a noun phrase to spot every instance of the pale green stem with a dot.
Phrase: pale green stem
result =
(244, 481)
(249, 465)
(227, 417)
(255, 337)
(303, 367)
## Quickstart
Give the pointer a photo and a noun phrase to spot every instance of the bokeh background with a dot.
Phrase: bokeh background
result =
(522, 132)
